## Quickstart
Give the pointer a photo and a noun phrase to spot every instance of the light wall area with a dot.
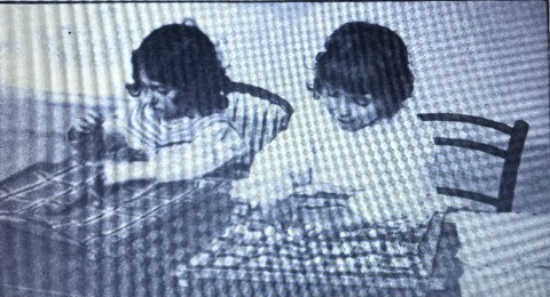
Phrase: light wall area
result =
(482, 58)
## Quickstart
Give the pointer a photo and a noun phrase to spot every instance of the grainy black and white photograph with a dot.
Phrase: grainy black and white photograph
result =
(274, 149)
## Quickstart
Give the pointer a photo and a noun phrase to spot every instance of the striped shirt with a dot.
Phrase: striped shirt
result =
(145, 130)
(178, 149)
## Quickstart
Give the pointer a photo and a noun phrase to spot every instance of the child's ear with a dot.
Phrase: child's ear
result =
(316, 95)
(133, 89)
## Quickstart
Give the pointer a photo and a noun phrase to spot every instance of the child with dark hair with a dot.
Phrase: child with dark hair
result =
(367, 64)
(178, 121)
(180, 58)
(358, 139)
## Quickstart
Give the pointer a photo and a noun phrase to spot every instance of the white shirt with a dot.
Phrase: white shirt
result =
(381, 166)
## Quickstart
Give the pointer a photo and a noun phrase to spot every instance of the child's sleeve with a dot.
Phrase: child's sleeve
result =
(216, 145)
(276, 170)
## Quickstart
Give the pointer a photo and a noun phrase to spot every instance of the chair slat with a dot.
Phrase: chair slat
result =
(275, 123)
(511, 166)
(254, 131)
(263, 129)
(235, 109)
(473, 145)
(512, 156)
(468, 195)
(258, 124)
(455, 117)
(245, 120)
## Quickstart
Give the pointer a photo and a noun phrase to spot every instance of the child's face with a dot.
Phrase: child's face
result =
(162, 98)
(351, 112)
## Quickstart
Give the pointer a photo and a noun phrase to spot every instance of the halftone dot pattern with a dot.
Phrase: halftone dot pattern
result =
(508, 250)
(480, 58)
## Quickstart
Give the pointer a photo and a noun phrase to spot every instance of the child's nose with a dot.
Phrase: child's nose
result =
(343, 107)
(145, 94)
(151, 98)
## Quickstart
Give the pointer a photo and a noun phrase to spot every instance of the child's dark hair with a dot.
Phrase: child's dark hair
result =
(183, 57)
(362, 58)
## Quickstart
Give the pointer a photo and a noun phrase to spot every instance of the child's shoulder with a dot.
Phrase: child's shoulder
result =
(212, 123)
(216, 124)
(216, 119)
(248, 100)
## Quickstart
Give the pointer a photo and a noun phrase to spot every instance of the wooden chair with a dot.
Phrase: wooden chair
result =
(511, 156)
(258, 120)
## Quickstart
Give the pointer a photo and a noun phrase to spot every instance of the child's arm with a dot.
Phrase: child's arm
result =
(217, 144)
(276, 171)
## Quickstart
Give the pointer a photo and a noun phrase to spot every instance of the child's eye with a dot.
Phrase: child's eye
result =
(333, 93)
(162, 91)
(364, 101)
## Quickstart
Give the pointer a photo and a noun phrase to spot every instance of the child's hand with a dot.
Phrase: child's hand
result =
(85, 124)
(91, 120)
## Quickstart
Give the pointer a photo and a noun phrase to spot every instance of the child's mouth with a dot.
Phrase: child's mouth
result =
(345, 121)
(158, 109)
(348, 124)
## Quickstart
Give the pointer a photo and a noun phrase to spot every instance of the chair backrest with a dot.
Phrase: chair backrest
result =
(511, 156)
(258, 121)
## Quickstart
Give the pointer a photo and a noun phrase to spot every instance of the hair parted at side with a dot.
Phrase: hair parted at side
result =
(183, 57)
(363, 58)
